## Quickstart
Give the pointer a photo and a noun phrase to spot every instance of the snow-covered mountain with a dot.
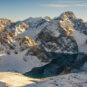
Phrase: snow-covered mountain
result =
(44, 46)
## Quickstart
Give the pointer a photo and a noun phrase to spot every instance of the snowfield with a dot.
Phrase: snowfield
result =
(18, 80)
(18, 63)
(15, 79)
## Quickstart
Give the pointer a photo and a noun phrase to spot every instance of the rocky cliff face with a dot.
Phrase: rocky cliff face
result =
(8, 42)
(62, 63)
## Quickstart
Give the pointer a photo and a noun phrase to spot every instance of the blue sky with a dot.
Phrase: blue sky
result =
(22, 9)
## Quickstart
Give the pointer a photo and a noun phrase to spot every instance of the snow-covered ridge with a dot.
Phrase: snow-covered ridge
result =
(35, 39)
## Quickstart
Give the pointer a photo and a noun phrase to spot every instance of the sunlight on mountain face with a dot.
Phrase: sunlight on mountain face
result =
(2, 54)
(16, 78)
(28, 41)
(9, 79)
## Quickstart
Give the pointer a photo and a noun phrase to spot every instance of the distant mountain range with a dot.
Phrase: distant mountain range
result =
(44, 46)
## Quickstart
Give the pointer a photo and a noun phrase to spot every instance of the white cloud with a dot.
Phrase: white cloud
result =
(64, 5)
(85, 19)
(54, 5)
(82, 5)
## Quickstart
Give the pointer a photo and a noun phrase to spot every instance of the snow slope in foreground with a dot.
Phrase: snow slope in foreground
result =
(18, 63)
(69, 80)
(15, 79)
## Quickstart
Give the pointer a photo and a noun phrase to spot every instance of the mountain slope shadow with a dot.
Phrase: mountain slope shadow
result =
(61, 64)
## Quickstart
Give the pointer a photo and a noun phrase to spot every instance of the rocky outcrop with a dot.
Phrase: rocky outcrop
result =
(68, 15)
(5, 22)
(8, 42)
(26, 42)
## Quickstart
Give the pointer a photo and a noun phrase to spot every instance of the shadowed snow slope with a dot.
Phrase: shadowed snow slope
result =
(18, 63)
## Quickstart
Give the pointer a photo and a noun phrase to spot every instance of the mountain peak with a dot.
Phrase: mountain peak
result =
(68, 15)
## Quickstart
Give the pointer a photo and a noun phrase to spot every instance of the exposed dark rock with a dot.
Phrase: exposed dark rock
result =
(61, 64)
